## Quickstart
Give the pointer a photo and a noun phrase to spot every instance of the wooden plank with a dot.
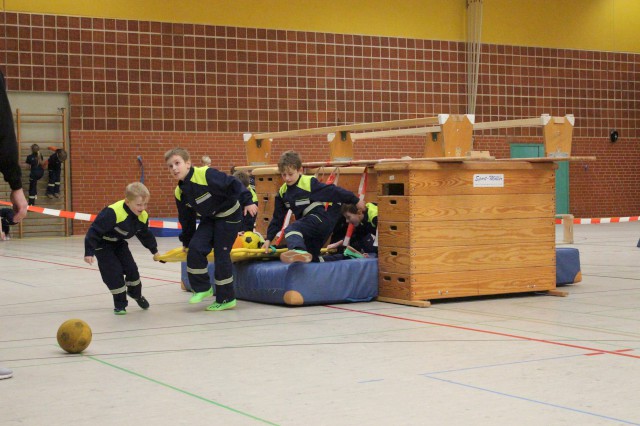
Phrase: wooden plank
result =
(427, 286)
(416, 131)
(466, 283)
(464, 207)
(504, 281)
(460, 232)
(465, 258)
(505, 124)
(348, 128)
(456, 182)
(416, 303)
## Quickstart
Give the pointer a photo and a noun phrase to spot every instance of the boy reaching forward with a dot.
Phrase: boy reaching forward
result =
(106, 240)
(305, 196)
(220, 200)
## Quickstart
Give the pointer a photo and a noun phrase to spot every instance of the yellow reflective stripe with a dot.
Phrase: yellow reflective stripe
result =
(197, 271)
(199, 175)
(372, 212)
(290, 233)
(229, 212)
(109, 238)
(225, 281)
(132, 283)
(119, 290)
(305, 183)
(254, 196)
(282, 189)
(311, 207)
(118, 209)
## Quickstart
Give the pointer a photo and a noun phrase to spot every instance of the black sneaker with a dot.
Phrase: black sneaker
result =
(142, 302)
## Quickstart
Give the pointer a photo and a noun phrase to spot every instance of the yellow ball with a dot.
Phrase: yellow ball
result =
(251, 240)
(74, 336)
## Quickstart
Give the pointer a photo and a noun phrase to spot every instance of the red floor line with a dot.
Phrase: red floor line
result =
(80, 267)
(495, 333)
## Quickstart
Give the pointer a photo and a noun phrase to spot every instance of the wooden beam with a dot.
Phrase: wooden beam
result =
(348, 128)
(524, 122)
(416, 131)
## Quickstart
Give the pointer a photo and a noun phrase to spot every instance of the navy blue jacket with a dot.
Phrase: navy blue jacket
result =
(207, 192)
(306, 196)
(116, 223)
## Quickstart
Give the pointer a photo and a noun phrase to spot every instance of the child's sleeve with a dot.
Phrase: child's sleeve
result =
(187, 219)
(279, 212)
(331, 193)
(228, 184)
(147, 238)
(105, 221)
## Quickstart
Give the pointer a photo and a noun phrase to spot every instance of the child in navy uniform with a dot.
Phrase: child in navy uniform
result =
(220, 200)
(248, 221)
(305, 196)
(364, 235)
(106, 239)
(55, 168)
(36, 162)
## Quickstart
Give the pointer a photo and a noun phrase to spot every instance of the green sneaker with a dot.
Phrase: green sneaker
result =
(197, 297)
(352, 253)
(222, 306)
(122, 311)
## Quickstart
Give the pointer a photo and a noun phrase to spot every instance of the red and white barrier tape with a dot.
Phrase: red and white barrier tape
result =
(176, 225)
(594, 221)
(91, 217)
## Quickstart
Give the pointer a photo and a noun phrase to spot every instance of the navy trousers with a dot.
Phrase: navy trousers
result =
(219, 234)
(119, 272)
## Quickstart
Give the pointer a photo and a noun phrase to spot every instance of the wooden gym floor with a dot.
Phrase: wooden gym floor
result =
(525, 360)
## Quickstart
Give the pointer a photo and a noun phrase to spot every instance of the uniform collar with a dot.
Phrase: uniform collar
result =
(187, 177)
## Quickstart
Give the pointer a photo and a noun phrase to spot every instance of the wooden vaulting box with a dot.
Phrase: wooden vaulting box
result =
(465, 228)
(268, 182)
(349, 178)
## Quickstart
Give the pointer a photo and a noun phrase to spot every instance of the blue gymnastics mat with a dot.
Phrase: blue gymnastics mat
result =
(567, 266)
(298, 284)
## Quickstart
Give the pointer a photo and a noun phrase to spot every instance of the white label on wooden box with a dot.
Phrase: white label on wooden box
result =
(488, 181)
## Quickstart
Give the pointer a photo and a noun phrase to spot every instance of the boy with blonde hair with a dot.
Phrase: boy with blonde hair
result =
(106, 239)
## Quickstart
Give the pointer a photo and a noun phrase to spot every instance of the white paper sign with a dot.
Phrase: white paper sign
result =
(488, 181)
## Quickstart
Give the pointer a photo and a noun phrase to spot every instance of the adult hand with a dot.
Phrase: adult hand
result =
(19, 205)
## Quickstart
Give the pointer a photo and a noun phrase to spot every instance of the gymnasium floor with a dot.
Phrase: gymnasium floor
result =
(524, 360)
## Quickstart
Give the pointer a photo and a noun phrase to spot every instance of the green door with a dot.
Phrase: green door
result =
(533, 150)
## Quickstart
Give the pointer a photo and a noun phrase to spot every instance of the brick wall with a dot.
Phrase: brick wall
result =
(139, 88)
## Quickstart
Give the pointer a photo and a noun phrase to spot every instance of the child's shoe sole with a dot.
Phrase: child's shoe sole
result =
(221, 306)
(120, 311)
(198, 297)
(293, 256)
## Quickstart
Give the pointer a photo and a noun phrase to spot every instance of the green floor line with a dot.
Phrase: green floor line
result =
(181, 391)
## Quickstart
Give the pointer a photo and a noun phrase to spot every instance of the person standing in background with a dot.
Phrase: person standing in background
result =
(10, 168)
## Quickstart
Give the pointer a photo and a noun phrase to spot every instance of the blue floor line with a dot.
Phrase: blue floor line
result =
(575, 410)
